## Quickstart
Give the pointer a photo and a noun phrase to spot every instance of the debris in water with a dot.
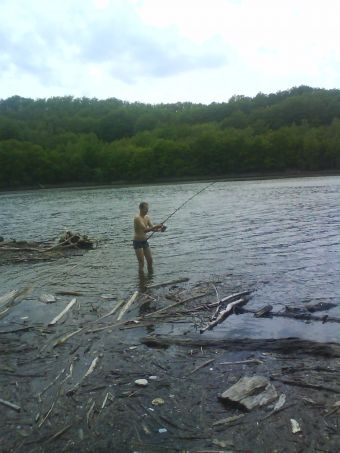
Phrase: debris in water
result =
(141, 382)
(157, 402)
(47, 298)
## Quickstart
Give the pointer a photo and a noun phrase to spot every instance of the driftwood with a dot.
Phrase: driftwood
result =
(61, 314)
(228, 299)
(88, 372)
(11, 405)
(264, 311)
(284, 346)
(112, 312)
(127, 305)
(181, 302)
(64, 338)
(172, 282)
(12, 299)
(300, 383)
(305, 316)
(241, 362)
(201, 366)
(223, 314)
(228, 420)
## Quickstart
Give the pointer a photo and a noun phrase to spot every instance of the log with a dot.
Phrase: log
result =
(223, 314)
(299, 383)
(229, 298)
(305, 316)
(285, 345)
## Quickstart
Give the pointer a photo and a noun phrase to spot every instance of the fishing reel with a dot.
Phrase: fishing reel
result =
(163, 228)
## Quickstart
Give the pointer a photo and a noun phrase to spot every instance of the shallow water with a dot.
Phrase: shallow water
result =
(280, 238)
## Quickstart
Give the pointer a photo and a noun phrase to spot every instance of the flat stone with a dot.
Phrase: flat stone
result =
(251, 392)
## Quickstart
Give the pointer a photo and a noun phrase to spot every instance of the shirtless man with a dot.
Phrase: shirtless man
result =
(142, 226)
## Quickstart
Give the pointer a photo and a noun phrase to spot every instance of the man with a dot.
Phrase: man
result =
(142, 226)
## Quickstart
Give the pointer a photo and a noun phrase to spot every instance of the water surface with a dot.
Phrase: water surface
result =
(278, 237)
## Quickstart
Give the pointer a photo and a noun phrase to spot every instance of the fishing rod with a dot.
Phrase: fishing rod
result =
(181, 206)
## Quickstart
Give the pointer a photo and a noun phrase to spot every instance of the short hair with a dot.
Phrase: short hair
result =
(143, 204)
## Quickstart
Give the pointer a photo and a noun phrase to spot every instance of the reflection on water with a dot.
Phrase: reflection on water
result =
(278, 237)
(145, 279)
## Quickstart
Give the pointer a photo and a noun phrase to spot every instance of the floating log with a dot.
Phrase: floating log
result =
(305, 316)
(319, 306)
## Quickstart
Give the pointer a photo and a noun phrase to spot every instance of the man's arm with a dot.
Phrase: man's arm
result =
(140, 225)
(153, 227)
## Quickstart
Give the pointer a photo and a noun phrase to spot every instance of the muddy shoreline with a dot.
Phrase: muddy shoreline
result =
(72, 383)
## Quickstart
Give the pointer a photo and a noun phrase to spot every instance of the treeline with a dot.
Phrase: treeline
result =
(64, 140)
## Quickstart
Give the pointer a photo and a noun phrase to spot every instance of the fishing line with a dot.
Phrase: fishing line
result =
(183, 204)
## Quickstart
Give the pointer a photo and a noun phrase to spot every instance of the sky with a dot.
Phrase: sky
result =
(166, 51)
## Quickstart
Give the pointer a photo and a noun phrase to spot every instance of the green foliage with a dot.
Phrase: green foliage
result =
(66, 140)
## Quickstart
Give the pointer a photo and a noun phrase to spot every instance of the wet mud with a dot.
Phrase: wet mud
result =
(71, 385)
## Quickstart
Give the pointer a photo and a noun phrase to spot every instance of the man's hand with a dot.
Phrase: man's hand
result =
(159, 227)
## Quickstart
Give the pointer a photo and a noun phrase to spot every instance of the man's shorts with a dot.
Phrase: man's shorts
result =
(140, 244)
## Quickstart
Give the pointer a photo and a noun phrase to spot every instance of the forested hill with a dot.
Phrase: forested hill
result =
(68, 140)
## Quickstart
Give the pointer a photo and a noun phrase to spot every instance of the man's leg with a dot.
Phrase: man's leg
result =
(148, 257)
(140, 258)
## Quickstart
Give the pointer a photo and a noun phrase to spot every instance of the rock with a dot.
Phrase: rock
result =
(251, 392)
(141, 382)
(157, 402)
(47, 298)
(295, 426)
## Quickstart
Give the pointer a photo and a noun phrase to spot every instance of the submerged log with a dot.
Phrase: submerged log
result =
(285, 345)
(305, 316)
(171, 282)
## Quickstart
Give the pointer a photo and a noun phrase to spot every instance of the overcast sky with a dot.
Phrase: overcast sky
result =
(156, 51)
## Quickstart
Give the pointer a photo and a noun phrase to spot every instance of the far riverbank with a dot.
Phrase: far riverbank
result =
(184, 180)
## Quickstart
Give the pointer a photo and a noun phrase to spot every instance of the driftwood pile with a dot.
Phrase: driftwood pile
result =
(83, 384)
(23, 251)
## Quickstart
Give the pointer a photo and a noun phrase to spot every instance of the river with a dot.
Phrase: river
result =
(278, 237)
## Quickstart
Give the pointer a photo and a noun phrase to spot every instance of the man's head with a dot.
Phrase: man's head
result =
(143, 207)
